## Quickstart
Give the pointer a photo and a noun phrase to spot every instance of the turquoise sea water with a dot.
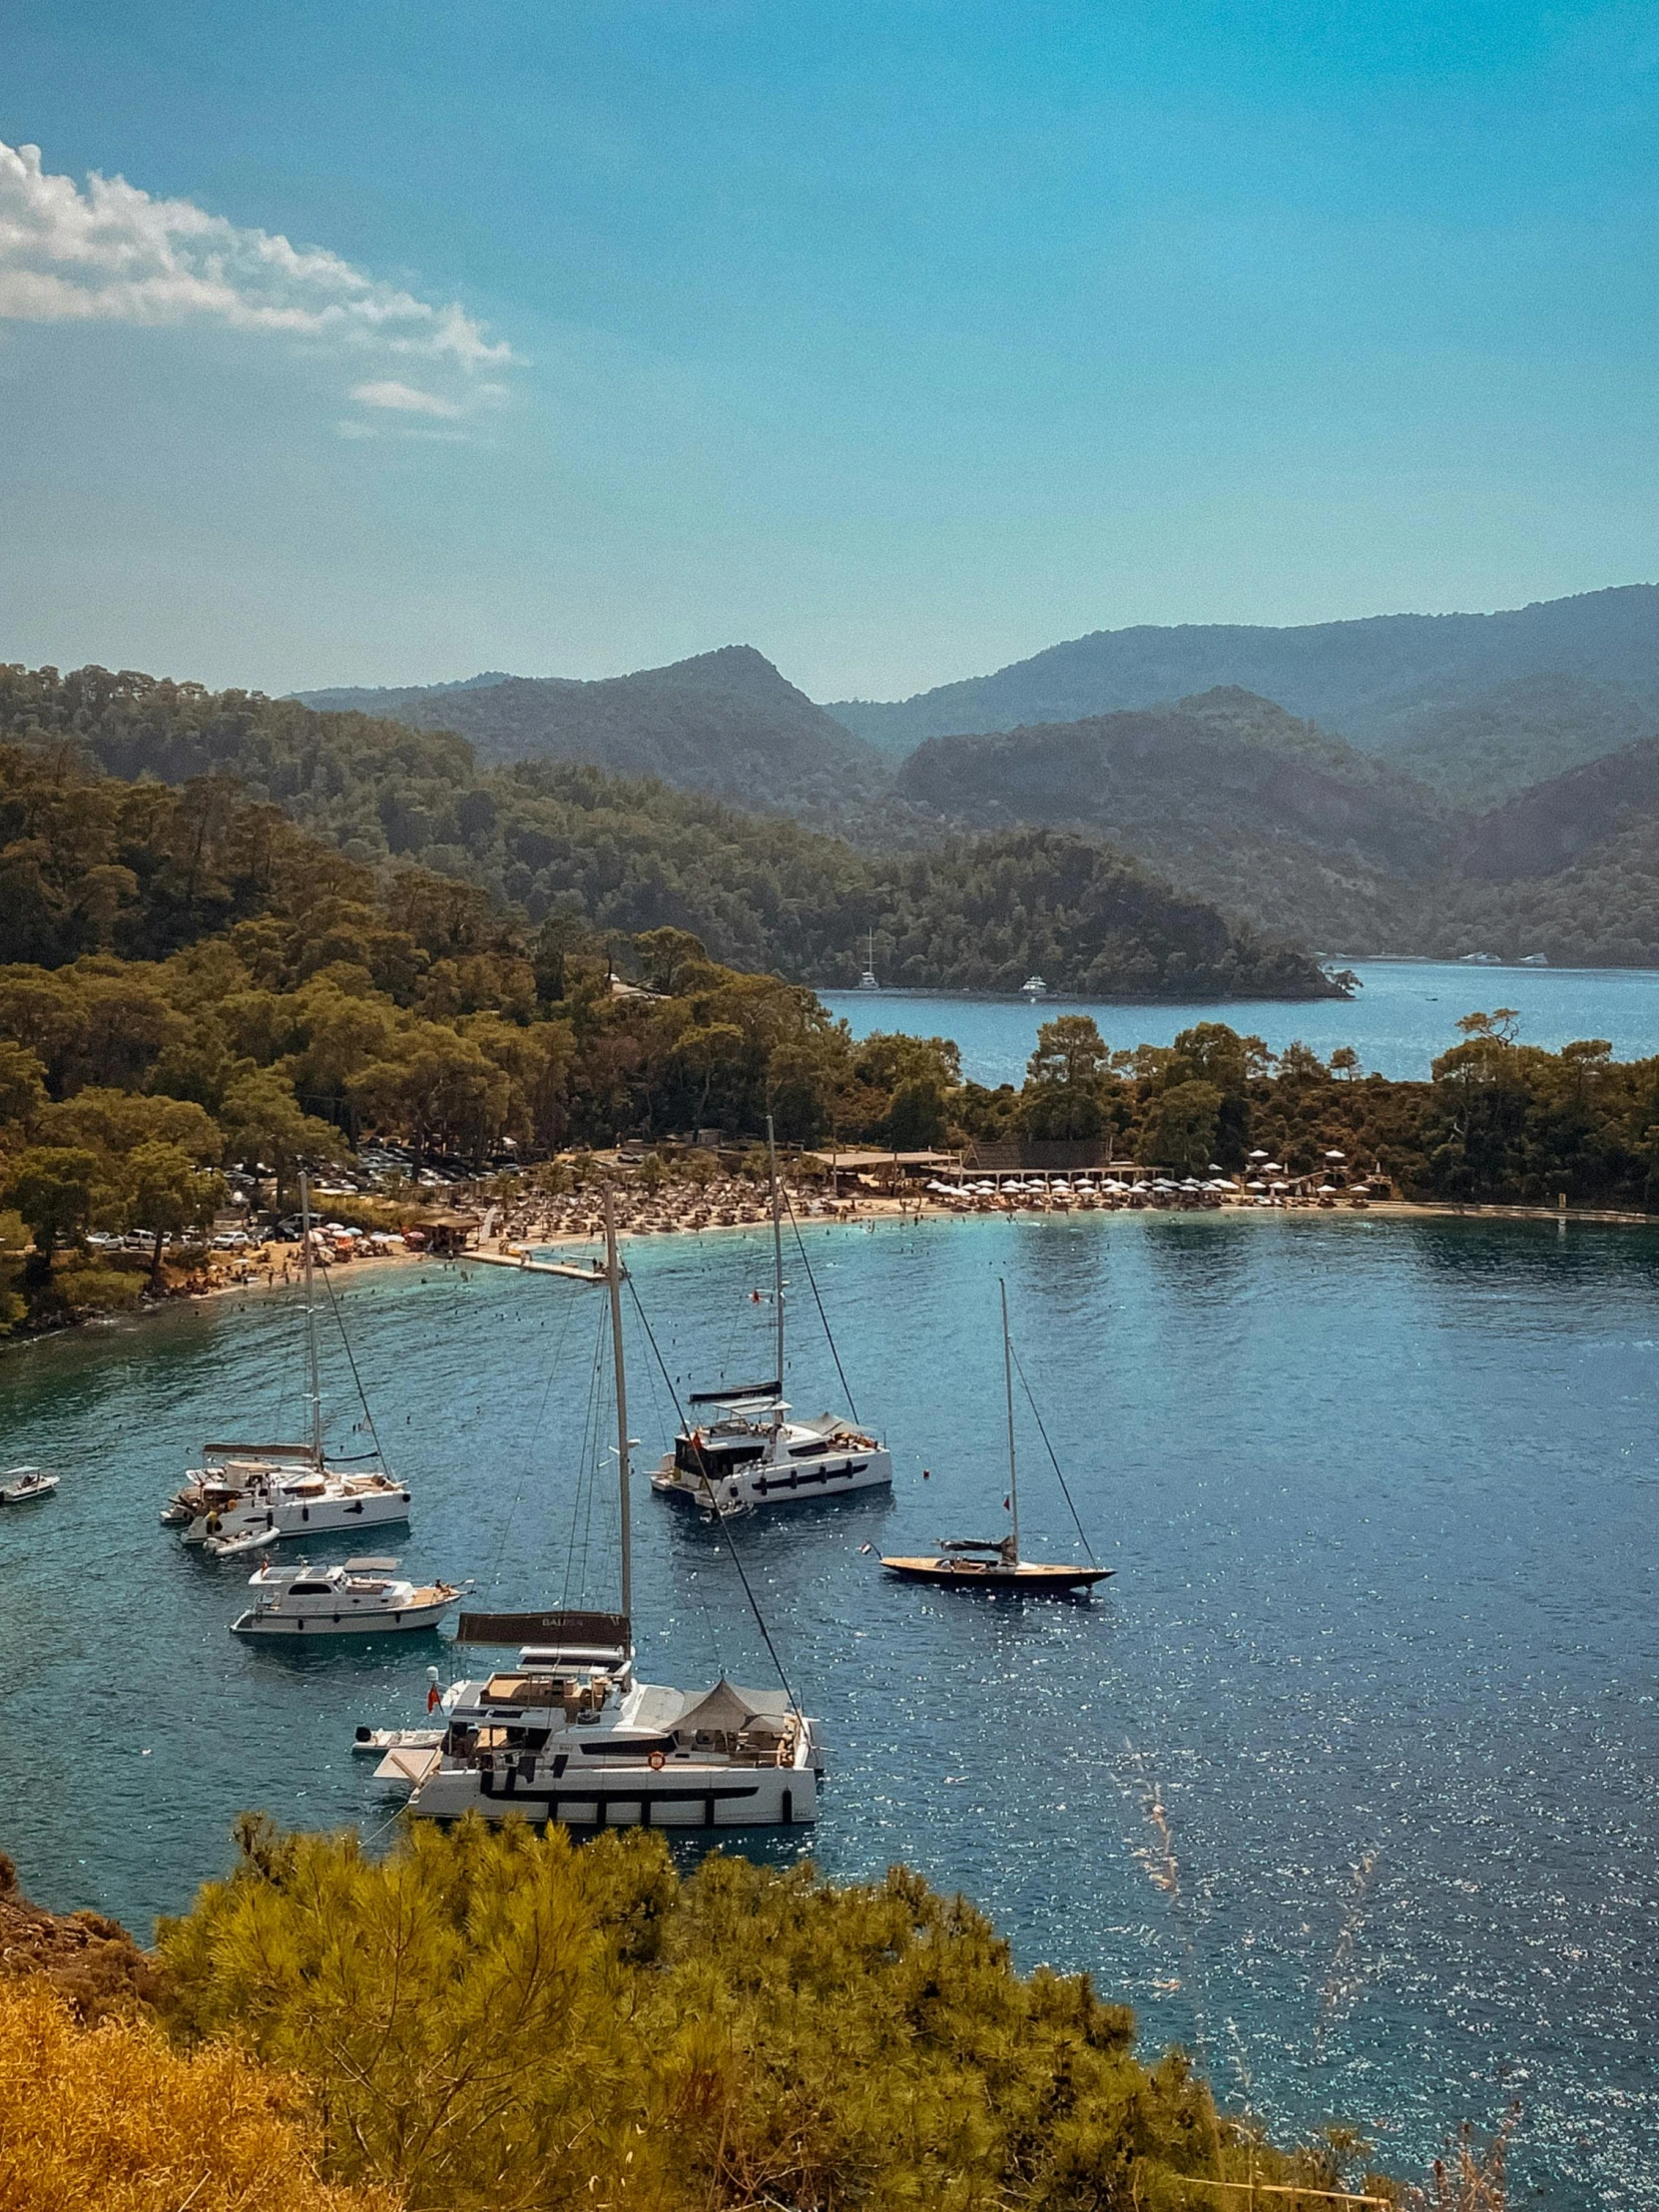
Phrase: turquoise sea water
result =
(1405, 1012)
(1381, 1499)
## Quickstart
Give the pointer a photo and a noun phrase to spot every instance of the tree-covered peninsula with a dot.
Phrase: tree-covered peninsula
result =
(558, 840)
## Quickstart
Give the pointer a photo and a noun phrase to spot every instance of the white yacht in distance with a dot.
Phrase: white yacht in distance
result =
(748, 1452)
(868, 981)
(1033, 988)
(243, 1491)
(570, 1734)
(362, 1598)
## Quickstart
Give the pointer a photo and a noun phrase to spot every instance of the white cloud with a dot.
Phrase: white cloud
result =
(403, 398)
(112, 253)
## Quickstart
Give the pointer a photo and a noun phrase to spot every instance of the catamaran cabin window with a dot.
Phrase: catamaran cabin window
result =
(713, 1458)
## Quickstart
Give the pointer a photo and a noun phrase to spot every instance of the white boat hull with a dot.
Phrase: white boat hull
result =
(406, 1620)
(305, 1517)
(777, 1482)
(610, 1794)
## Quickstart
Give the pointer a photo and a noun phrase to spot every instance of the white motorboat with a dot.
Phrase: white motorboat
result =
(244, 1496)
(747, 1452)
(995, 1563)
(362, 1598)
(24, 1485)
(570, 1734)
(1033, 988)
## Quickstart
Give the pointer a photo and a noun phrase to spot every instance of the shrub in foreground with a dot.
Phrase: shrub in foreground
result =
(495, 2018)
(111, 2118)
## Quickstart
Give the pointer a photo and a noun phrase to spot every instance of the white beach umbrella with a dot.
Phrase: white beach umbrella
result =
(1255, 1186)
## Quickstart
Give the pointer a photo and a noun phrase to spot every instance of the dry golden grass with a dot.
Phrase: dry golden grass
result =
(109, 2118)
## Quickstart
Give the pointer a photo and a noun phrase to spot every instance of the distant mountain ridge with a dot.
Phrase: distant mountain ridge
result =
(726, 722)
(1377, 680)
(1238, 801)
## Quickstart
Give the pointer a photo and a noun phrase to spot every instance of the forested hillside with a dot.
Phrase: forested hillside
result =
(571, 842)
(1232, 797)
(1488, 749)
(725, 722)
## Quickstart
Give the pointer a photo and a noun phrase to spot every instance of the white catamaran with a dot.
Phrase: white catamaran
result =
(245, 1493)
(570, 1734)
(747, 1452)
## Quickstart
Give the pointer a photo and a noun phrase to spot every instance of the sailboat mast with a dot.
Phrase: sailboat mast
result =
(777, 1247)
(612, 1270)
(311, 1317)
(1008, 1381)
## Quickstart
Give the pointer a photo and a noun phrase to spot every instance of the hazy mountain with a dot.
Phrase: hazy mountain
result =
(387, 700)
(1555, 824)
(1484, 750)
(1375, 681)
(1235, 800)
(725, 722)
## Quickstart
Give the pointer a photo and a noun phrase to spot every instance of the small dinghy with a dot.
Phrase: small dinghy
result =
(375, 1742)
(22, 1485)
(972, 1563)
(232, 1547)
(362, 1598)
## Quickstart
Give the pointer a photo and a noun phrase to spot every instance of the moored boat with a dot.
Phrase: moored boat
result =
(25, 1486)
(264, 1493)
(747, 1452)
(985, 1563)
(569, 1733)
(364, 1598)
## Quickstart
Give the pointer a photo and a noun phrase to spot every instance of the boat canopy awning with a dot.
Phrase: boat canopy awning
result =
(260, 1451)
(728, 1710)
(738, 1394)
(577, 1639)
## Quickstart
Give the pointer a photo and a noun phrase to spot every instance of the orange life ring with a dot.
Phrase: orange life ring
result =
(656, 1762)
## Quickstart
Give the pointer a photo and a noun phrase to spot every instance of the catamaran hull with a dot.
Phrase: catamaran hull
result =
(676, 1796)
(318, 1517)
(779, 1482)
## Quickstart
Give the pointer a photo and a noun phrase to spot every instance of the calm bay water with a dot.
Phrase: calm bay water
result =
(1405, 1013)
(1382, 1496)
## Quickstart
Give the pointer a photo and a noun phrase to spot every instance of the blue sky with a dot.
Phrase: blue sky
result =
(898, 340)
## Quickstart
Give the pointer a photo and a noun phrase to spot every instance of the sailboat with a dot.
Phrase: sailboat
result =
(570, 1734)
(747, 1453)
(868, 981)
(972, 1563)
(243, 1494)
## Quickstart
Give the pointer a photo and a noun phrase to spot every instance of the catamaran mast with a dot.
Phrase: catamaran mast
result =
(776, 1249)
(311, 1319)
(1008, 1379)
(613, 1269)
